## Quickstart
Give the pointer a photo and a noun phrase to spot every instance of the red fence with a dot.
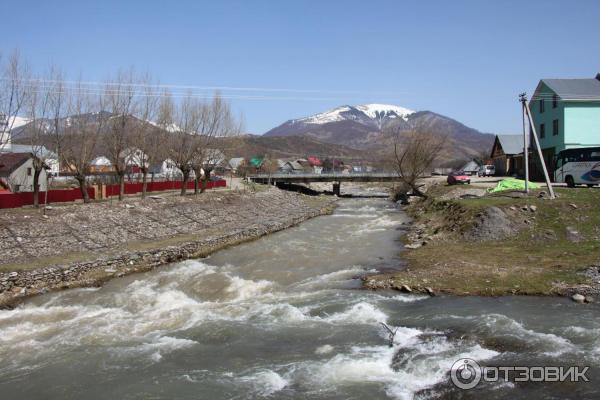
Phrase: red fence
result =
(14, 200)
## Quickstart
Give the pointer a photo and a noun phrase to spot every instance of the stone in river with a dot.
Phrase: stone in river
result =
(578, 298)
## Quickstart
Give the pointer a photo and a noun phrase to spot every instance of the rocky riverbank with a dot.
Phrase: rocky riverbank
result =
(80, 245)
(463, 241)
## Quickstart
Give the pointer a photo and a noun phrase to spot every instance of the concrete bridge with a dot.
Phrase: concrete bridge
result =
(335, 178)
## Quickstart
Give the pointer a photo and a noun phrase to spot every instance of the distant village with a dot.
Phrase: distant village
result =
(566, 115)
(16, 167)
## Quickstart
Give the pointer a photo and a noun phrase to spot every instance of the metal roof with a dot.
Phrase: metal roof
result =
(511, 144)
(236, 162)
(470, 166)
(39, 151)
(11, 161)
(572, 89)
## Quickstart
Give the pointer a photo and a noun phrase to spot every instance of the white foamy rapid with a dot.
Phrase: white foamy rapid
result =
(426, 364)
(265, 383)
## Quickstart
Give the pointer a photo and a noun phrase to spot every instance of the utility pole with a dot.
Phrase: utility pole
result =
(537, 145)
(523, 99)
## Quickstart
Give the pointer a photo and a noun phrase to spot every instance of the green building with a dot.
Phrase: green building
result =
(566, 113)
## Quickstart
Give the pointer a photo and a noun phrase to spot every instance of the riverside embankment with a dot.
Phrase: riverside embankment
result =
(465, 241)
(86, 244)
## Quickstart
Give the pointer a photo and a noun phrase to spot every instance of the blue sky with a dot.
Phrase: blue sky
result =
(464, 59)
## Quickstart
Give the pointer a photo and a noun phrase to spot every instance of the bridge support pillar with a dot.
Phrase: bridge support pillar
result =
(336, 188)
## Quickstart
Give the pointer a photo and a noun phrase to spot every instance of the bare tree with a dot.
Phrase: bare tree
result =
(14, 90)
(148, 136)
(269, 166)
(216, 122)
(244, 169)
(194, 127)
(77, 136)
(414, 153)
(212, 158)
(36, 133)
(120, 95)
(182, 121)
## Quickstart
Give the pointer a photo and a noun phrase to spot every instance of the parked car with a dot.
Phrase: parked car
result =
(457, 177)
(487, 170)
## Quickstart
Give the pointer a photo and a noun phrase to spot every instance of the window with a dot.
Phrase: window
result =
(555, 127)
(558, 163)
(541, 105)
(28, 171)
(554, 101)
(579, 155)
(542, 131)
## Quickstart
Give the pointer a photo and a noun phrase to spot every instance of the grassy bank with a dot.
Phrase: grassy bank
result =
(540, 247)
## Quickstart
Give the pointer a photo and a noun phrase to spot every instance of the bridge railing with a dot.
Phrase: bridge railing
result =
(326, 175)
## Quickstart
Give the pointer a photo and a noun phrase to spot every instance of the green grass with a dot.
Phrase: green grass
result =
(539, 260)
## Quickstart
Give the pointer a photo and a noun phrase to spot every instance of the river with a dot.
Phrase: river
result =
(284, 317)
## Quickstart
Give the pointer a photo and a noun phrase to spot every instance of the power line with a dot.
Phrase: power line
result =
(192, 87)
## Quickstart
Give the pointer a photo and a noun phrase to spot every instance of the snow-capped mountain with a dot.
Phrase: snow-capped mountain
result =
(365, 127)
(375, 115)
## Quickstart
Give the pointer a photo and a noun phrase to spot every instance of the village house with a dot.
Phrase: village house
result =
(294, 166)
(507, 154)
(471, 167)
(283, 166)
(235, 163)
(135, 159)
(566, 114)
(215, 159)
(165, 169)
(101, 164)
(50, 158)
(16, 173)
(316, 164)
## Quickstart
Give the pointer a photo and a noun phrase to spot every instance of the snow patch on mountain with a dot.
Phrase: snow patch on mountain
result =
(169, 128)
(325, 117)
(366, 114)
(15, 122)
(376, 110)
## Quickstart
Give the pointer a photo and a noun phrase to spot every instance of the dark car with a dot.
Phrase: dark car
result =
(458, 177)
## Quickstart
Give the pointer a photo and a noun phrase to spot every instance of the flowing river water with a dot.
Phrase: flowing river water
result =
(284, 317)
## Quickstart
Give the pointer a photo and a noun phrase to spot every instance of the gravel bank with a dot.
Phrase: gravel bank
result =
(84, 245)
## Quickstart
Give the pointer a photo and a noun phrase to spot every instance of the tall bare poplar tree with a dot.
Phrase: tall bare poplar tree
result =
(183, 143)
(120, 102)
(37, 133)
(216, 121)
(78, 136)
(148, 137)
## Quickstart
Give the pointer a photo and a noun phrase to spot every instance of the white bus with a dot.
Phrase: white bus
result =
(578, 166)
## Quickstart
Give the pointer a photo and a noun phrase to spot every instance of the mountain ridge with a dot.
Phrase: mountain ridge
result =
(367, 127)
